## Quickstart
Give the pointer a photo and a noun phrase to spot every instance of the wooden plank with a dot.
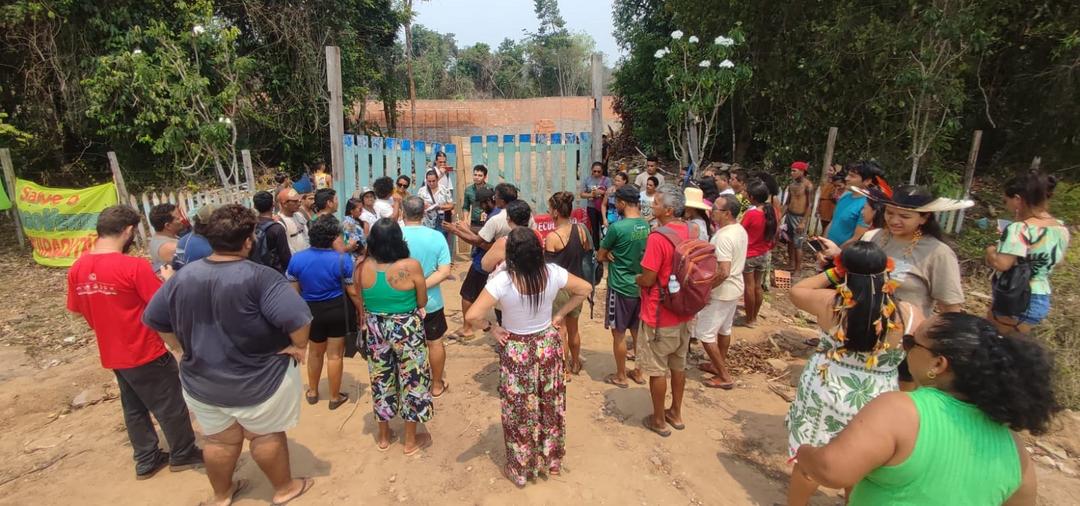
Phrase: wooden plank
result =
(969, 175)
(586, 143)
(363, 161)
(476, 152)
(249, 170)
(543, 163)
(528, 178)
(491, 154)
(420, 159)
(404, 156)
(143, 235)
(337, 121)
(9, 180)
(348, 178)
(826, 165)
(597, 108)
(452, 157)
(378, 158)
(567, 175)
(557, 164)
(118, 177)
(509, 163)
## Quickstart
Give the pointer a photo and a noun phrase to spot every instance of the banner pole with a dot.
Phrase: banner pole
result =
(9, 179)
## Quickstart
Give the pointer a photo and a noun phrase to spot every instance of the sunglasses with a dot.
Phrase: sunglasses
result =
(402, 185)
(909, 343)
(292, 200)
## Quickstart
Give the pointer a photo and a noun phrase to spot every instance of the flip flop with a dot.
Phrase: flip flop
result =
(647, 422)
(635, 376)
(388, 445)
(308, 483)
(722, 386)
(445, 387)
(707, 367)
(676, 426)
(241, 486)
(428, 442)
(610, 379)
(311, 399)
(342, 399)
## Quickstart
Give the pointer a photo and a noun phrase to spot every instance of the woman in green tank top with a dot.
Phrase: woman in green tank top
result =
(393, 293)
(949, 441)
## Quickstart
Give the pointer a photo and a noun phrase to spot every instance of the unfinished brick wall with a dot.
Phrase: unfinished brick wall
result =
(438, 120)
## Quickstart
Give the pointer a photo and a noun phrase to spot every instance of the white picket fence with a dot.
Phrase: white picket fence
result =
(188, 202)
(951, 221)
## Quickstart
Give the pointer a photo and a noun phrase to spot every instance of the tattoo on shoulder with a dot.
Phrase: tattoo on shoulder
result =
(402, 274)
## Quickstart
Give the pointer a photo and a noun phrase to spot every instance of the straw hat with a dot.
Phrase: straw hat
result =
(915, 198)
(695, 198)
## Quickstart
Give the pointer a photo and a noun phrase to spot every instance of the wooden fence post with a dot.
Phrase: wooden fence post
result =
(1036, 163)
(337, 121)
(598, 108)
(9, 179)
(826, 165)
(969, 175)
(249, 171)
(122, 195)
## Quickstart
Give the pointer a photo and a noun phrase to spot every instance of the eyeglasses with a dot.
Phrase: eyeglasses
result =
(402, 185)
(909, 342)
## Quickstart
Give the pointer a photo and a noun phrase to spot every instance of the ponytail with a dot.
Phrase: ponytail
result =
(1008, 378)
(759, 195)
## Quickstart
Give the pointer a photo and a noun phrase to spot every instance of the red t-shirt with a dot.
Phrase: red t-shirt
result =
(110, 291)
(753, 221)
(659, 257)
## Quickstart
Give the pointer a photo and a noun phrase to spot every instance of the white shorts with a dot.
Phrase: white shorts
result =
(716, 318)
(279, 413)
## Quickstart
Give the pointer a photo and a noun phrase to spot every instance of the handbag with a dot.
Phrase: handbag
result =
(1012, 288)
(352, 333)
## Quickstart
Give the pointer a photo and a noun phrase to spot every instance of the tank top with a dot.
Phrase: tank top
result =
(961, 457)
(570, 256)
(383, 298)
(156, 242)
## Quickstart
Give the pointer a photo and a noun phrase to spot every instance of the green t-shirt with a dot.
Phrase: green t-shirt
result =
(1044, 247)
(475, 211)
(625, 240)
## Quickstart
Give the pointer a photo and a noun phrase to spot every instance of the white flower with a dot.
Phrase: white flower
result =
(198, 30)
(221, 119)
(677, 34)
(669, 77)
(660, 53)
(228, 121)
(726, 64)
(724, 41)
(705, 64)
(692, 39)
(136, 51)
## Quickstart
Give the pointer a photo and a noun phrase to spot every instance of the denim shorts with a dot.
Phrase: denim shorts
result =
(1037, 310)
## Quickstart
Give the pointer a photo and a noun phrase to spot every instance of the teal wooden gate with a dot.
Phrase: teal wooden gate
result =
(539, 165)
(369, 158)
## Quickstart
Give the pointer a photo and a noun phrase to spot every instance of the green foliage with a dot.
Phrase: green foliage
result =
(642, 27)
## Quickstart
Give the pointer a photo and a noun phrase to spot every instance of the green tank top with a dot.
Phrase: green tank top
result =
(961, 457)
(383, 298)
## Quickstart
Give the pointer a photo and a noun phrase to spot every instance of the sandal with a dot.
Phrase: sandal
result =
(312, 399)
(668, 419)
(308, 483)
(445, 387)
(389, 442)
(336, 403)
(647, 422)
(635, 376)
(421, 444)
(241, 486)
(610, 379)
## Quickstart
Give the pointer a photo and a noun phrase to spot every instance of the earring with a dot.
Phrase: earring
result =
(931, 374)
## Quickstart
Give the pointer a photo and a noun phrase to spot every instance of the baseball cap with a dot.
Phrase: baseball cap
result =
(484, 194)
(628, 193)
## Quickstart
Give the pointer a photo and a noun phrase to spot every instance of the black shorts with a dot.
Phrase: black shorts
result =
(328, 319)
(435, 325)
(623, 313)
(473, 284)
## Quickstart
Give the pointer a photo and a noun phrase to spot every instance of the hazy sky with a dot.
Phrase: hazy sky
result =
(491, 21)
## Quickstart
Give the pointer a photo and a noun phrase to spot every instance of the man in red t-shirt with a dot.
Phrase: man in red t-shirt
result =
(665, 336)
(110, 289)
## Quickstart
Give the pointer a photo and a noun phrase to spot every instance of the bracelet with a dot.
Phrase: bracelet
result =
(833, 277)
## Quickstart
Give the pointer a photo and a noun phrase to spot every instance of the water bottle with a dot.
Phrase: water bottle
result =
(673, 285)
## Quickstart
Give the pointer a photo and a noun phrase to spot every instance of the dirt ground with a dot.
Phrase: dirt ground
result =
(732, 451)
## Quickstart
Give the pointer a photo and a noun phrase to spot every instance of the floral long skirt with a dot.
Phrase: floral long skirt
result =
(533, 404)
(398, 366)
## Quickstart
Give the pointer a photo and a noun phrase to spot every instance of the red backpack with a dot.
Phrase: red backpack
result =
(694, 267)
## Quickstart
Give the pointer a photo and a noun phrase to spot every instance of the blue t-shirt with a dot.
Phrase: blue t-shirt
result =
(846, 217)
(428, 247)
(189, 248)
(320, 273)
(478, 253)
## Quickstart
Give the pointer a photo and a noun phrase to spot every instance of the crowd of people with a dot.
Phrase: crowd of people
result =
(225, 315)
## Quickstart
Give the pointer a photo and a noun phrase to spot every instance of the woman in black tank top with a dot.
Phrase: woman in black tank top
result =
(566, 246)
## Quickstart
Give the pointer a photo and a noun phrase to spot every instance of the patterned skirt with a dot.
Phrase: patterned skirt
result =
(398, 366)
(533, 404)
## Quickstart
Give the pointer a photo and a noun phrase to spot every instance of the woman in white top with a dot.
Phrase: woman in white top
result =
(531, 382)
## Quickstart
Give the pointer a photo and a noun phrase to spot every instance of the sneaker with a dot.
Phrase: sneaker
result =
(159, 464)
(195, 461)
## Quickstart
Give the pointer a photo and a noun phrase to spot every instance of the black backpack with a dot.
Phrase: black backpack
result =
(1012, 288)
(261, 252)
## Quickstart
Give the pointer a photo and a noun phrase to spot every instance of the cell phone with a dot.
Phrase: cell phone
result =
(816, 245)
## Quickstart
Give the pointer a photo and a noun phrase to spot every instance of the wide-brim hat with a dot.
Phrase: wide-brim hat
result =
(915, 198)
(695, 198)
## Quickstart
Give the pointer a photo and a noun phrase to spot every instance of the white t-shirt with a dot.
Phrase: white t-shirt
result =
(431, 199)
(728, 191)
(296, 231)
(384, 208)
(518, 316)
(368, 217)
(730, 242)
(643, 178)
(499, 226)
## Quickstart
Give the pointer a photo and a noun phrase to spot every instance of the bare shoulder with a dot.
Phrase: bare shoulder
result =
(411, 265)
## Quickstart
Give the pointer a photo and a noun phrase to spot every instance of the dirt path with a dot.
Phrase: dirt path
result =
(732, 451)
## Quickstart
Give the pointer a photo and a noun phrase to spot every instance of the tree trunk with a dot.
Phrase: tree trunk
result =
(409, 68)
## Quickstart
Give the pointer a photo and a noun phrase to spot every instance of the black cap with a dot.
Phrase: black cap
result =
(628, 193)
(484, 194)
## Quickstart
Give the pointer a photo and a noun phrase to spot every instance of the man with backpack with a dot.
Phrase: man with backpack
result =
(677, 273)
(294, 221)
(271, 239)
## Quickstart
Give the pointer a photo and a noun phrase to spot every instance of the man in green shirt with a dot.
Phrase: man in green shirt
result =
(471, 206)
(622, 248)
